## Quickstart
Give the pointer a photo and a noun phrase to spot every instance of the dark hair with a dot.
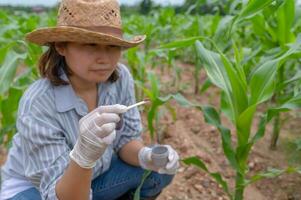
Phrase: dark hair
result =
(50, 63)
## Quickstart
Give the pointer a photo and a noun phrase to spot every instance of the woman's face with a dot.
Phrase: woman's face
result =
(90, 62)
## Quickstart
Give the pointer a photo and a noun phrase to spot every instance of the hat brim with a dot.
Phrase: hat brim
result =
(44, 36)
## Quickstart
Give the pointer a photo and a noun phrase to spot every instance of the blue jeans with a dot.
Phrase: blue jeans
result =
(120, 179)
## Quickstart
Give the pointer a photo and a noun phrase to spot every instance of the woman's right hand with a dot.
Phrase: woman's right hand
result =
(96, 132)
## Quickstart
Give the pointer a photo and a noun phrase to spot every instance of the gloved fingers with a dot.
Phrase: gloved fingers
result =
(119, 125)
(104, 118)
(106, 129)
(171, 152)
(173, 158)
(110, 138)
(117, 108)
(145, 154)
(170, 172)
(144, 157)
(87, 118)
(173, 162)
(148, 154)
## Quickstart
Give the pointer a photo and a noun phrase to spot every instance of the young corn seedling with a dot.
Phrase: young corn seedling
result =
(156, 101)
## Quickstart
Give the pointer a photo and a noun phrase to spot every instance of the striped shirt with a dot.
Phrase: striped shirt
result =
(47, 125)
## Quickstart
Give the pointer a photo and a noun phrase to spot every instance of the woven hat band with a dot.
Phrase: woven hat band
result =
(109, 30)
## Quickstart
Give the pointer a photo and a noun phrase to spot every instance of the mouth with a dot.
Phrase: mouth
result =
(100, 70)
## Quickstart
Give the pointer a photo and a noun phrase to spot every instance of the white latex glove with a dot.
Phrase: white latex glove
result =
(171, 167)
(96, 132)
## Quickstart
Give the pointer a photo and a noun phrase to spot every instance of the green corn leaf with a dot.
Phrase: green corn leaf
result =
(172, 111)
(242, 153)
(261, 129)
(150, 120)
(197, 162)
(212, 117)
(222, 73)
(4, 50)
(10, 105)
(252, 8)
(282, 85)
(259, 25)
(181, 43)
(137, 192)
(214, 68)
(9, 109)
(285, 18)
(8, 70)
(262, 82)
(145, 90)
(23, 80)
(272, 173)
(239, 93)
(180, 99)
(215, 175)
(219, 179)
(226, 107)
(155, 85)
(244, 124)
(1, 99)
(291, 104)
(205, 86)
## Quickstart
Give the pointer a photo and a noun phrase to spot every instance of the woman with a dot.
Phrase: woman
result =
(67, 145)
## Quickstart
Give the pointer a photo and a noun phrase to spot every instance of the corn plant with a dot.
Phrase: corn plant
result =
(9, 96)
(274, 29)
(157, 100)
(241, 99)
(137, 64)
(15, 55)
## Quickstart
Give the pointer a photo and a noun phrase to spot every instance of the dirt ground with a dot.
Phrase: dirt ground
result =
(191, 136)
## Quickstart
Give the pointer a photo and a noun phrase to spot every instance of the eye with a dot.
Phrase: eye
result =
(113, 46)
(91, 44)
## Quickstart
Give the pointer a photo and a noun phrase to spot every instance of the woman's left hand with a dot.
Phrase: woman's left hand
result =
(171, 166)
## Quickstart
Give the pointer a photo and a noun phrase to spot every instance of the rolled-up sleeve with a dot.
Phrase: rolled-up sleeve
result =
(131, 127)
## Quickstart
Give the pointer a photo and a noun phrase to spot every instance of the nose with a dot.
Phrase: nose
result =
(102, 60)
(102, 54)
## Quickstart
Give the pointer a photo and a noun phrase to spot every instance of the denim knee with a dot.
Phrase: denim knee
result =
(164, 180)
(29, 194)
(155, 183)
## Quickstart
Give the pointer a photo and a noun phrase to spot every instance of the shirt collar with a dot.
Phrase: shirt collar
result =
(66, 98)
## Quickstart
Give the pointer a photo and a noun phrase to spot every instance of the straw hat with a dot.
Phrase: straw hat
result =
(86, 21)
